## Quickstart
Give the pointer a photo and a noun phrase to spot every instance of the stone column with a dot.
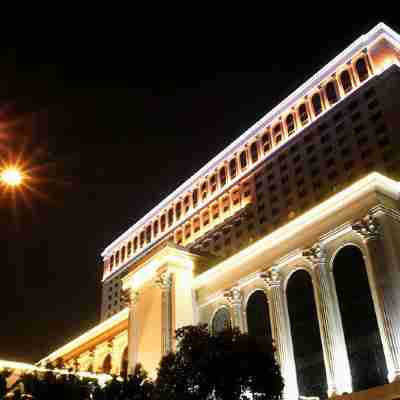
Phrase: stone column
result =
(235, 300)
(332, 337)
(384, 281)
(131, 297)
(165, 280)
(281, 332)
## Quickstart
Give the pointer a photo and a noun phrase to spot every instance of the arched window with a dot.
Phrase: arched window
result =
(222, 176)
(362, 70)
(123, 253)
(221, 321)
(141, 239)
(195, 196)
(213, 183)
(186, 204)
(188, 231)
(331, 93)
(316, 103)
(303, 114)
(206, 218)
(124, 363)
(243, 159)
(106, 368)
(148, 234)
(117, 258)
(306, 338)
(361, 332)
(178, 211)
(155, 228)
(129, 248)
(232, 168)
(170, 217)
(178, 237)
(196, 224)
(290, 124)
(346, 81)
(162, 223)
(278, 133)
(111, 262)
(266, 142)
(254, 152)
(257, 312)
(135, 244)
(204, 189)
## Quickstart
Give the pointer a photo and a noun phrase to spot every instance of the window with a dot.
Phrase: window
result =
(235, 197)
(331, 93)
(316, 103)
(162, 223)
(178, 210)
(232, 168)
(196, 224)
(362, 70)
(123, 253)
(254, 152)
(186, 204)
(243, 159)
(148, 234)
(195, 196)
(213, 183)
(178, 237)
(111, 261)
(266, 142)
(303, 114)
(215, 211)
(290, 124)
(135, 244)
(278, 133)
(170, 216)
(204, 190)
(225, 204)
(188, 231)
(222, 176)
(206, 218)
(345, 80)
(155, 228)
(129, 248)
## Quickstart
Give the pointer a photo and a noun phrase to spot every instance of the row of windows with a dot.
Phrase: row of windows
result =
(326, 96)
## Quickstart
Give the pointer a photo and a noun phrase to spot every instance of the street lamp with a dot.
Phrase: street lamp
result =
(11, 176)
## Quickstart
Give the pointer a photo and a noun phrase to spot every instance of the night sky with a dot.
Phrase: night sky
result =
(110, 119)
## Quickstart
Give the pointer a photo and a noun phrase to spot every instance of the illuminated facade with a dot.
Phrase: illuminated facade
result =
(296, 224)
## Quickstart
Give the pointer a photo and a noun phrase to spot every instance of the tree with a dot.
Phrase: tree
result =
(227, 366)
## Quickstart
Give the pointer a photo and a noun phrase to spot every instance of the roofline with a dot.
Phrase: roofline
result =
(380, 30)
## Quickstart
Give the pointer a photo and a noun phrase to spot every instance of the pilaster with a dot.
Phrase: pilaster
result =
(281, 331)
(235, 300)
(384, 278)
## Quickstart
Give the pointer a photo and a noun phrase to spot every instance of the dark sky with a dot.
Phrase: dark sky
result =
(112, 118)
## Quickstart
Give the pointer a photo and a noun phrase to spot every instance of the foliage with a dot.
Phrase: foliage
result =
(227, 366)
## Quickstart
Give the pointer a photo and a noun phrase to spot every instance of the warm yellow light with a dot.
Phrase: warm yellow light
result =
(11, 176)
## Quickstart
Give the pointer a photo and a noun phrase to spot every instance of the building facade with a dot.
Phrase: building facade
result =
(296, 224)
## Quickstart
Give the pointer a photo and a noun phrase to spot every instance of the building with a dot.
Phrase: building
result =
(295, 224)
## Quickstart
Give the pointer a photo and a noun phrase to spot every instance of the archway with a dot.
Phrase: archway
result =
(107, 364)
(306, 337)
(124, 363)
(258, 321)
(360, 326)
(221, 320)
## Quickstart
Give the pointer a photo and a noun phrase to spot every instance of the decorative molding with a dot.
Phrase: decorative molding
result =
(234, 296)
(315, 254)
(367, 227)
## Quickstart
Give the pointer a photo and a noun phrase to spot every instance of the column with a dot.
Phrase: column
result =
(378, 238)
(131, 296)
(281, 332)
(235, 300)
(165, 280)
(332, 337)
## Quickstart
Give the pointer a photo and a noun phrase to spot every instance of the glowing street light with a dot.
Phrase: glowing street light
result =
(11, 176)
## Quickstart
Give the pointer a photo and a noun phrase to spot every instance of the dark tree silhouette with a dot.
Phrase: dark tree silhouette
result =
(230, 365)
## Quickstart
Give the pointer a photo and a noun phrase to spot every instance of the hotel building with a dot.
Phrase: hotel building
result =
(292, 231)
